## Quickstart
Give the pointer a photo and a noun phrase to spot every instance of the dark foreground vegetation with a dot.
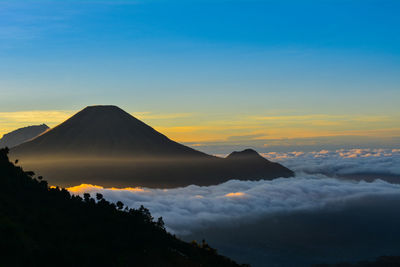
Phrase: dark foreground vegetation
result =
(42, 226)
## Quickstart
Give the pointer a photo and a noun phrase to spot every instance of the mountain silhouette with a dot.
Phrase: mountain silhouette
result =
(105, 145)
(248, 163)
(105, 131)
(22, 135)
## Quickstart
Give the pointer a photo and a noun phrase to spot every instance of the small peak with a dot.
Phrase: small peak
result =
(244, 153)
(248, 151)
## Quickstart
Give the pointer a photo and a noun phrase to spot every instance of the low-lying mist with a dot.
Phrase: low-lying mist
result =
(365, 164)
(311, 218)
(195, 207)
(119, 171)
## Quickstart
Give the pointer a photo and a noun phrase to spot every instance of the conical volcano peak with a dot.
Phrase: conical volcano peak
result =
(106, 131)
(101, 108)
(109, 118)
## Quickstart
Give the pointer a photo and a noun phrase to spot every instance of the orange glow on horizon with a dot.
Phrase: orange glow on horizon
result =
(203, 128)
(83, 188)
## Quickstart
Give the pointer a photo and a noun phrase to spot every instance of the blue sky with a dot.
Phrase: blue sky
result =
(216, 60)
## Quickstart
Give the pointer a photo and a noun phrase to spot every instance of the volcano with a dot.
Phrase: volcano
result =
(105, 131)
(22, 135)
(105, 145)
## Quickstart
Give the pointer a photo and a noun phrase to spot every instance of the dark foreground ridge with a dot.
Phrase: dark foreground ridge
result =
(105, 145)
(42, 226)
(22, 135)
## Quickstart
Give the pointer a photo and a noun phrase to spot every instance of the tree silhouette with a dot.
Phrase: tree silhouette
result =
(160, 223)
(146, 214)
(99, 196)
(120, 205)
(86, 197)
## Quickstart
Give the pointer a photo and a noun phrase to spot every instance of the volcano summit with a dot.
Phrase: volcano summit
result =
(105, 145)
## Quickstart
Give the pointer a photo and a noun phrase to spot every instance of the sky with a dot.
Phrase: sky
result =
(216, 75)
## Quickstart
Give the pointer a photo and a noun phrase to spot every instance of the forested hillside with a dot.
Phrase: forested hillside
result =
(49, 226)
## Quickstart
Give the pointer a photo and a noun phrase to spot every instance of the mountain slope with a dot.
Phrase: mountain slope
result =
(105, 131)
(248, 163)
(22, 135)
(42, 226)
(106, 146)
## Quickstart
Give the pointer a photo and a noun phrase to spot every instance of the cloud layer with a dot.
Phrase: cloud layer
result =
(341, 162)
(309, 219)
(192, 208)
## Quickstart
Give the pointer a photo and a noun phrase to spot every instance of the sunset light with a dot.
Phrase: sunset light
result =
(213, 133)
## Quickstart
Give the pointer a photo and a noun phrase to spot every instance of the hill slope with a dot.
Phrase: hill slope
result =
(106, 146)
(40, 226)
(22, 135)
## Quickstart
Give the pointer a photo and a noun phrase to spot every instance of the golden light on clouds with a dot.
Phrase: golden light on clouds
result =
(236, 195)
(131, 189)
(83, 188)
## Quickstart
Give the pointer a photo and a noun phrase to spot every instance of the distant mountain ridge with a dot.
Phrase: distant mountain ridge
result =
(22, 135)
(105, 145)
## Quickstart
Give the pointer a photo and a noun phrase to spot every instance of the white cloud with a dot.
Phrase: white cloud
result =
(341, 162)
(192, 208)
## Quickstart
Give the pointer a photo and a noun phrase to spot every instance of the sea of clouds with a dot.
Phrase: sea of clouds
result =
(194, 207)
(341, 162)
(314, 217)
